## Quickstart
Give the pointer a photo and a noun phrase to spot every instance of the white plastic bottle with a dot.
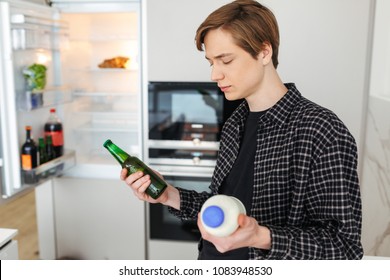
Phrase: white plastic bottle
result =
(219, 214)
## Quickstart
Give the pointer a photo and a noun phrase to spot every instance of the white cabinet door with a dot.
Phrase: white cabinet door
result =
(98, 219)
(10, 251)
(8, 246)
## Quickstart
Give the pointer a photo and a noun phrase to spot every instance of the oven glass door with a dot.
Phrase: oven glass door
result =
(187, 111)
(165, 226)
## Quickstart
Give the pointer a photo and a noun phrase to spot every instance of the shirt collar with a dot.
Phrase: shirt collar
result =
(277, 114)
(283, 108)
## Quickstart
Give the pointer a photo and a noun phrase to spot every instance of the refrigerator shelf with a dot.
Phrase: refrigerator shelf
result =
(107, 39)
(88, 93)
(109, 127)
(113, 70)
(124, 115)
(132, 69)
(50, 169)
(31, 100)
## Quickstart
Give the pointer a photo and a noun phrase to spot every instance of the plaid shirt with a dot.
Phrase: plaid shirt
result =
(305, 189)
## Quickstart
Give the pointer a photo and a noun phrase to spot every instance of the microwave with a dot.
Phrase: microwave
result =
(185, 120)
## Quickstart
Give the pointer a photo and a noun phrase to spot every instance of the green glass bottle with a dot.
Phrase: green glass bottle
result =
(42, 155)
(42, 151)
(134, 164)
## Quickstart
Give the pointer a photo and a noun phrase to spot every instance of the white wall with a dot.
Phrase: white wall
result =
(376, 170)
(324, 49)
(171, 50)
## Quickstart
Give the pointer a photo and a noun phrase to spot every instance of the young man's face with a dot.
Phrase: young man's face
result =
(237, 73)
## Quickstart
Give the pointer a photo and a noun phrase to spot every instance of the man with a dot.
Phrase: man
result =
(291, 162)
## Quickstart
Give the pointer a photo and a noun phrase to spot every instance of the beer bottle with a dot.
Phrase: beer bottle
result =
(42, 155)
(42, 151)
(134, 164)
(50, 152)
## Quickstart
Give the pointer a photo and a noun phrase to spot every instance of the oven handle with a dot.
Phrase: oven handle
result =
(186, 174)
(195, 162)
(175, 144)
(171, 170)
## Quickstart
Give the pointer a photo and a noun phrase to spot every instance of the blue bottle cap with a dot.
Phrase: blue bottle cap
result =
(213, 216)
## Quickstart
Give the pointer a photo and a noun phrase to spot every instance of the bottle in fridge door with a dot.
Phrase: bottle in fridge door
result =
(49, 148)
(53, 128)
(29, 158)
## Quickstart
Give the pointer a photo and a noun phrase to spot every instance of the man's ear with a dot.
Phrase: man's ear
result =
(266, 53)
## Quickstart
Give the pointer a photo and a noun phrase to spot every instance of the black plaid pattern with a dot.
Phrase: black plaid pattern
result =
(305, 189)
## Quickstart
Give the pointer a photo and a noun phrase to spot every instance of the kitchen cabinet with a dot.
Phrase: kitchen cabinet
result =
(91, 219)
(8, 246)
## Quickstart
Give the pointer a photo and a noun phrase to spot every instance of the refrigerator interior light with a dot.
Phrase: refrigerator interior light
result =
(42, 58)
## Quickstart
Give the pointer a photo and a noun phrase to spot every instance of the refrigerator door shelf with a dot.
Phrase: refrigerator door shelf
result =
(21, 19)
(33, 32)
(96, 6)
(48, 170)
(32, 100)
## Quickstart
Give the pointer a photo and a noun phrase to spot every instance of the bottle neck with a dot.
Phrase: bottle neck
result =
(53, 118)
(116, 152)
(28, 135)
(41, 143)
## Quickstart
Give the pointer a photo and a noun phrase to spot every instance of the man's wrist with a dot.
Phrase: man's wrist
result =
(262, 238)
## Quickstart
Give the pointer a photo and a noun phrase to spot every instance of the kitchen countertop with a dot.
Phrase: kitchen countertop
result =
(375, 258)
(6, 235)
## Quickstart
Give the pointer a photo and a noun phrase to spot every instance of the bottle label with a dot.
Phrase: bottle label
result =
(26, 162)
(57, 136)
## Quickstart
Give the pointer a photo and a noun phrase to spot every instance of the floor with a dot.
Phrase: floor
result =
(20, 214)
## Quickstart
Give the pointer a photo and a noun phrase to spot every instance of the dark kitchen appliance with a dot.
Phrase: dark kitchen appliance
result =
(184, 129)
(184, 123)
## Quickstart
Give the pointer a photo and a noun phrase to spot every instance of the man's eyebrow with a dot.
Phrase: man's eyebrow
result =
(220, 56)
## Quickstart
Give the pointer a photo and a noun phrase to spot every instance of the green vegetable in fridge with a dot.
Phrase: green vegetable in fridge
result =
(35, 76)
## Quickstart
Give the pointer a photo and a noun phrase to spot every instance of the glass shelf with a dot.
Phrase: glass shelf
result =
(31, 100)
(34, 33)
(97, 70)
(86, 93)
(50, 169)
(109, 127)
(106, 39)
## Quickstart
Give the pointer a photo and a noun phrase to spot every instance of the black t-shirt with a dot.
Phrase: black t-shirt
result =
(239, 183)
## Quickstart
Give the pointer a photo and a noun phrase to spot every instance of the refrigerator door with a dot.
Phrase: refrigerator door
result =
(9, 134)
(29, 34)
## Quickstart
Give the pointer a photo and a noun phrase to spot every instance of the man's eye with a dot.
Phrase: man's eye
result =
(227, 62)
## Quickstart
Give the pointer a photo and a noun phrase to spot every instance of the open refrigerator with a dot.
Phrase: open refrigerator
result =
(94, 103)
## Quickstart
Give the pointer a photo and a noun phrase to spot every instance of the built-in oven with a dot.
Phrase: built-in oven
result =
(184, 128)
(184, 123)
(163, 225)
